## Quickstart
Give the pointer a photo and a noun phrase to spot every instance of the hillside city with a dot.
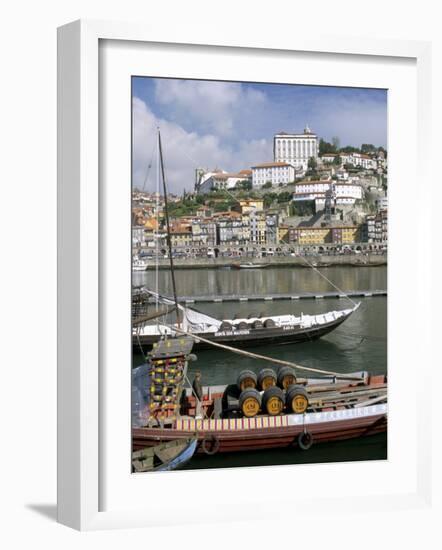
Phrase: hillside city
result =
(314, 197)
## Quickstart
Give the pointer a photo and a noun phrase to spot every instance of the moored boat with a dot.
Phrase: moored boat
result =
(250, 265)
(138, 264)
(264, 411)
(242, 332)
(164, 457)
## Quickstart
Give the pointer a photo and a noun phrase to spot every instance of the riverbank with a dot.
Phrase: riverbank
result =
(320, 260)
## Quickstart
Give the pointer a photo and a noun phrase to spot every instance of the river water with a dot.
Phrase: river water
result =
(358, 344)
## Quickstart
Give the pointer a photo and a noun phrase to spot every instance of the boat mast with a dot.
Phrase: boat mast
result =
(169, 243)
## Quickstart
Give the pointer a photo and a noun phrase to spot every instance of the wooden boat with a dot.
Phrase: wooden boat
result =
(164, 457)
(242, 332)
(250, 265)
(295, 415)
(139, 264)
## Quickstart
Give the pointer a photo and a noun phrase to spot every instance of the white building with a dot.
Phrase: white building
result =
(345, 194)
(359, 159)
(273, 172)
(221, 180)
(296, 149)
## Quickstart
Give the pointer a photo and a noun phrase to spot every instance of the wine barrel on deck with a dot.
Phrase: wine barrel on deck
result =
(266, 379)
(250, 402)
(247, 379)
(273, 400)
(296, 399)
(286, 377)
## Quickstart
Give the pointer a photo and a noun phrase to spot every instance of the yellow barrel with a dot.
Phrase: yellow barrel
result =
(266, 379)
(286, 377)
(247, 379)
(296, 399)
(250, 402)
(273, 401)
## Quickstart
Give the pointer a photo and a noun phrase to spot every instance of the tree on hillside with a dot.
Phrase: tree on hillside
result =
(269, 198)
(303, 208)
(367, 148)
(285, 196)
(337, 160)
(244, 184)
(325, 147)
(350, 149)
(312, 166)
(267, 185)
(336, 143)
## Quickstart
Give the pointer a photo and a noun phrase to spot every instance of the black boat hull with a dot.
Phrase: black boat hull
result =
(252, 337)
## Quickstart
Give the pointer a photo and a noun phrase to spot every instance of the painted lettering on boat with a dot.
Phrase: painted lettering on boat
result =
(230, 333)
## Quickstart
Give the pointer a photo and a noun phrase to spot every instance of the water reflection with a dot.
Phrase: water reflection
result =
(218, 282)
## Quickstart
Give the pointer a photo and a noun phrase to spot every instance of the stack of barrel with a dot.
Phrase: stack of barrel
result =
(271, 392)
(166, 375)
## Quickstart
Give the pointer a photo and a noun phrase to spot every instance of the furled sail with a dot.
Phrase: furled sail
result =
(197, 319)
(192, 318)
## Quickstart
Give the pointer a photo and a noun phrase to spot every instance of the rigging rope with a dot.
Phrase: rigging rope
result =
(328, 280)
(263, 357)
(149, 166)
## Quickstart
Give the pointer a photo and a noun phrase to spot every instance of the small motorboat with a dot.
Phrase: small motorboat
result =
(138, 264)
(250, 265)
(164, 457)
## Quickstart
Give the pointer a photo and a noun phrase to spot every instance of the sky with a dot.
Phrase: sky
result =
(230, 125)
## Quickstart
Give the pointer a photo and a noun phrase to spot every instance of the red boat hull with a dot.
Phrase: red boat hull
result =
(264, 438)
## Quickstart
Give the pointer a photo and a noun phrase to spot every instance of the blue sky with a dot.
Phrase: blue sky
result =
(230, 125)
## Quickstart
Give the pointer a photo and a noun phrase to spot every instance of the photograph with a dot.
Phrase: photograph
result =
(259, 238)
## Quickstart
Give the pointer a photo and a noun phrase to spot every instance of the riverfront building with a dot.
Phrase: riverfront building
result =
(308, 236)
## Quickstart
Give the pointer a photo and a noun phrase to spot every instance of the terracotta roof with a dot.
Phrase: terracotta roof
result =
(151, 223)
(230, 214)
(224, 175)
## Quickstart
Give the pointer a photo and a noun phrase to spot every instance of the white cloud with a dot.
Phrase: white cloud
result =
(184, 151)
(221, 108)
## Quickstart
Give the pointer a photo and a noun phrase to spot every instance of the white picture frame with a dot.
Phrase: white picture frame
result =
(82, 295)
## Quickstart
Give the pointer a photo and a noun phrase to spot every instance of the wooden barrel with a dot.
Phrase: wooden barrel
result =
(269, 323)
(250, 402)
(296, 399)
(286, 377)
(242, 325)
(257, 324)
(247, 379)
(266, 379)
(273, 401)
(225, 327)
